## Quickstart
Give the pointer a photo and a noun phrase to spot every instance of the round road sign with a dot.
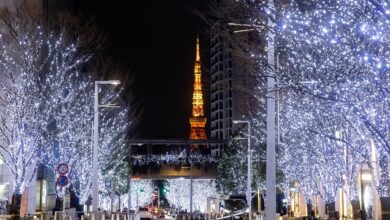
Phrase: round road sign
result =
(62, 181)
(62, 168)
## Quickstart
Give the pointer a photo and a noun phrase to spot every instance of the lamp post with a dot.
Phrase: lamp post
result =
(249, 183)
(270, 97)
(95, 168)
(270, 178)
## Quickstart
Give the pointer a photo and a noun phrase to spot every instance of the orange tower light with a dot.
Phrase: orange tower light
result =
(197, 120)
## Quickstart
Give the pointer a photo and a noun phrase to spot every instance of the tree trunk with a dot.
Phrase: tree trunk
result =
(119, 198)
(14, 208)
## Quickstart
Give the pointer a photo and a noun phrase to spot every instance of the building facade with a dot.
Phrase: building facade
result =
(233, 78)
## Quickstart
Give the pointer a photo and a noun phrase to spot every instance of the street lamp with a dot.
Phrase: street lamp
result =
(270, 178)
(95, 168)
(249, 183)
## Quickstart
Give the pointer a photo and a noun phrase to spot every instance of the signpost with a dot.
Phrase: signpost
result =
(63, 181)
(62, 169)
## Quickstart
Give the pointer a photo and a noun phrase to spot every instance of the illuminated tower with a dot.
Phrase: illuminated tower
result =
(197, 120)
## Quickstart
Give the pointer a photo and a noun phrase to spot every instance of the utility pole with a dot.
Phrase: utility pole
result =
(270, 209)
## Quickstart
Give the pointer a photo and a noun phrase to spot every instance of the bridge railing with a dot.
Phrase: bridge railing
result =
(153, 163)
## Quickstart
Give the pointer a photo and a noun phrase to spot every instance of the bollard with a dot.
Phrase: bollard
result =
(118, 217)
(112, 216)
(103, 216)
(82, 217)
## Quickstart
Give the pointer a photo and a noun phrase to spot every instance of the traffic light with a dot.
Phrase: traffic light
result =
(164, 190)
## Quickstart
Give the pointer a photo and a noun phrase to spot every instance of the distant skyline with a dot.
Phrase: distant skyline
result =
(156, 41)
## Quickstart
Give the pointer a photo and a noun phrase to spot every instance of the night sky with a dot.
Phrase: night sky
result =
(159, 49)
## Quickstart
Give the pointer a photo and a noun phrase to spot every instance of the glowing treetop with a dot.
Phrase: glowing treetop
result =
(197, 120)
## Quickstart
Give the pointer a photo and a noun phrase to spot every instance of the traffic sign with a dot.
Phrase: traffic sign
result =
(62, 169)
(62, 181)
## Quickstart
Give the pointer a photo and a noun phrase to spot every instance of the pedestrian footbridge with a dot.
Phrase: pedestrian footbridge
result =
(174, 158)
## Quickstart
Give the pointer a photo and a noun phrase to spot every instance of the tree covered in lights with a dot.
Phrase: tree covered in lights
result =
(333, 86)
(333, 75)
(179, 191)
(75, 144)
(116, 167)
(232, 169)
(25, 123)
(47, 104)
(141, 193)
(333, 124)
